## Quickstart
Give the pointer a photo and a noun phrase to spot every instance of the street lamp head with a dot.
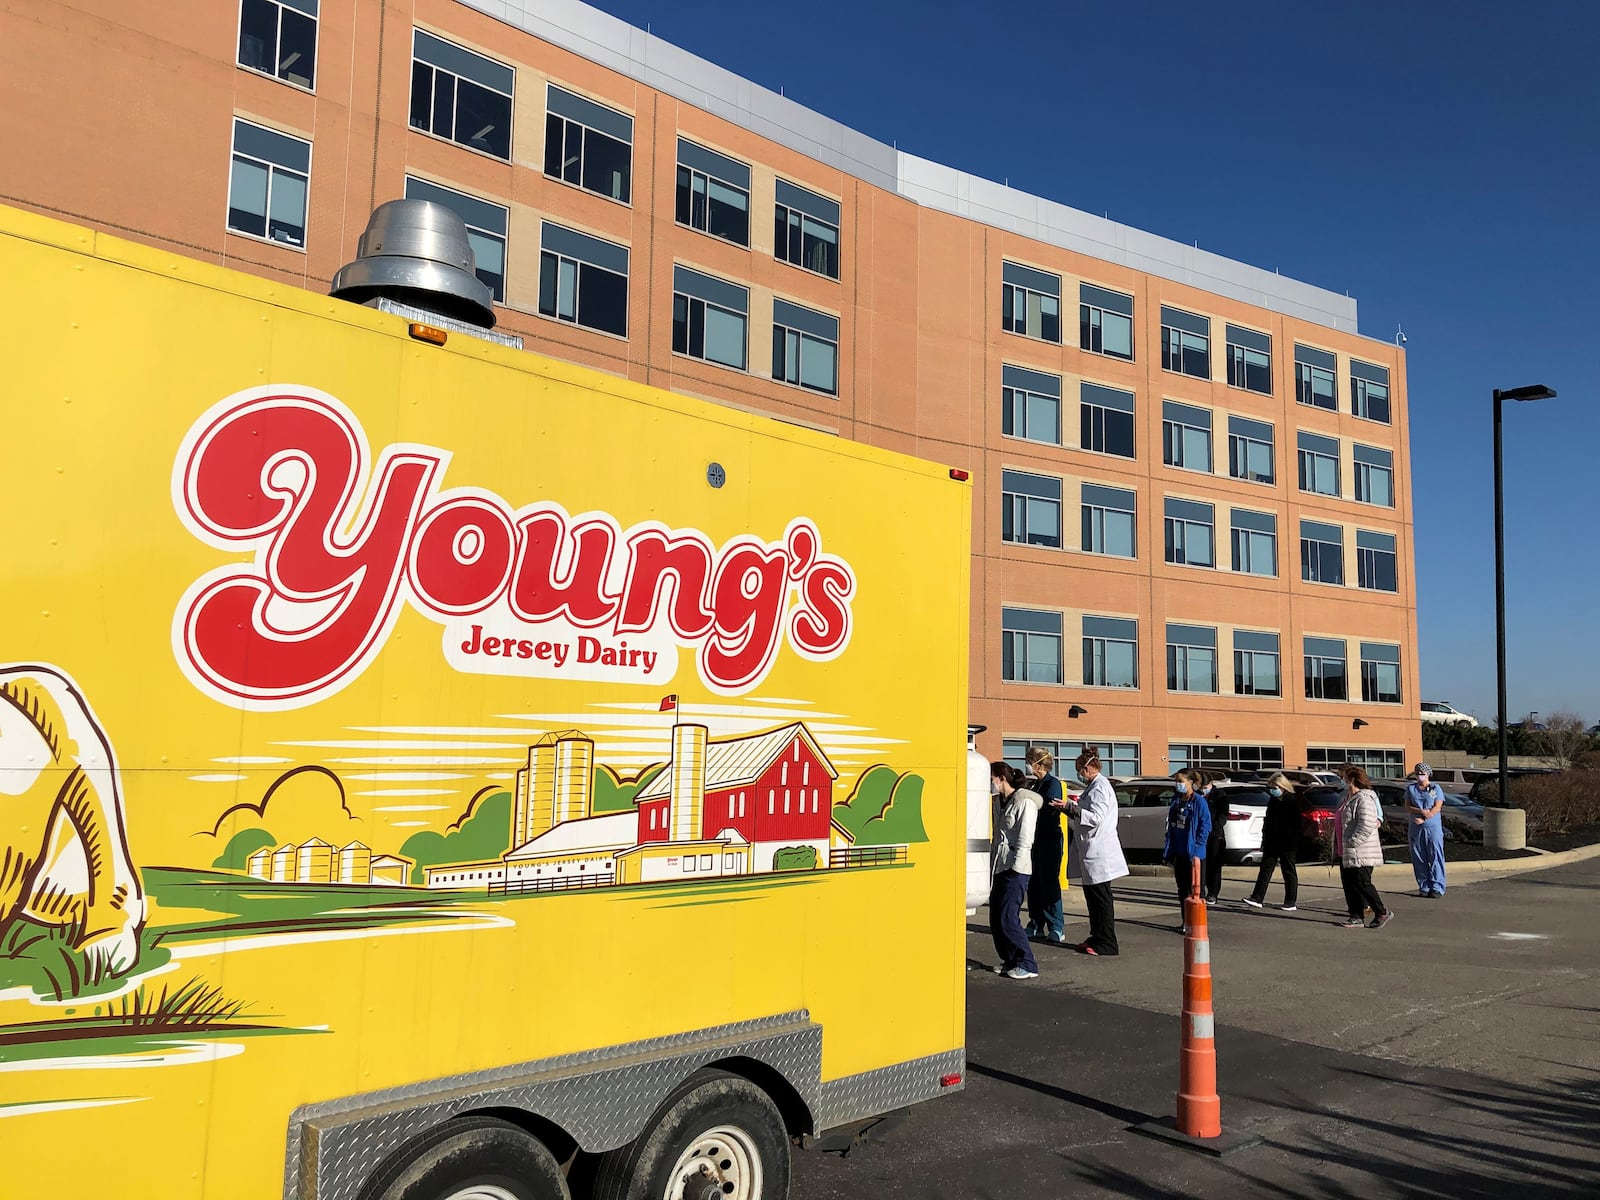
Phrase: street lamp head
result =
(1533, 391)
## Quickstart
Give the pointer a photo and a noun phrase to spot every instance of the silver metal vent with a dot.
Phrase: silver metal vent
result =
(416, 252)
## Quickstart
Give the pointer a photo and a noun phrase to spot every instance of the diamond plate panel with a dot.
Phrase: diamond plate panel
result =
(855, 1097)
(601, 1097)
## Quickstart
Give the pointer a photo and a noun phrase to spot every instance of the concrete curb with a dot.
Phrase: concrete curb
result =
(1461, 872)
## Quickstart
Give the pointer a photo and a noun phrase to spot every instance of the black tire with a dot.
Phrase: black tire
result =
(704, 1102)
(470, 1158)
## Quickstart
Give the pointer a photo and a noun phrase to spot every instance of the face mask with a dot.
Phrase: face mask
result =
(994, 788)
(1274, 791)
(1183, 788)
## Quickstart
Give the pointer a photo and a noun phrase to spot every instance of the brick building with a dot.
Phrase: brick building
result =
(1193, 509)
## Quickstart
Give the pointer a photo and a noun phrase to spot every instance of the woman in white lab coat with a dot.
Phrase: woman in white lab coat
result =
(1094, 821)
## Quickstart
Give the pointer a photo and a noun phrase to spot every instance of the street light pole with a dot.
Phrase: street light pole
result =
(1535, 391)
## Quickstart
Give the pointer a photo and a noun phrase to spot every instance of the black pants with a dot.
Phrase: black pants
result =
(1359, 893)
(1214, 851)
(1270, 861)
(1102, 937)
(1183, 876)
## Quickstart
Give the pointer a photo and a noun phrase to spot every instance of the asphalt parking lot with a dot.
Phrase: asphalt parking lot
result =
(1455, 1053)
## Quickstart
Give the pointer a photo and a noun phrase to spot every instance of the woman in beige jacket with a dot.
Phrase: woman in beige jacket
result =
(1360, 817)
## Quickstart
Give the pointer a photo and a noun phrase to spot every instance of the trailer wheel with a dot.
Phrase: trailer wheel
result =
(717, 1137)
(471, 1158)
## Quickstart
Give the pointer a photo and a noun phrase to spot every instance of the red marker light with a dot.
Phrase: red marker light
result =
(949, 1080)
(959, 475)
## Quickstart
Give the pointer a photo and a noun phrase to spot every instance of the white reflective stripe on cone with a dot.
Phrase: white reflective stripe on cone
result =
(1200, 952)
(1202, 1025)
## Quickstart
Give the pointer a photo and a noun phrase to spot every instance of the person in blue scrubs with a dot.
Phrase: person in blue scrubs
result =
(1424, 806)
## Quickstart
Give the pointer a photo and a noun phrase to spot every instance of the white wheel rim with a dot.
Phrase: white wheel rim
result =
(482, 1191)
(724, 1159)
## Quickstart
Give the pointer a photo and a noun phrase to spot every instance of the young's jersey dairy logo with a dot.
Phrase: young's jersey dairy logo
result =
(342, 543)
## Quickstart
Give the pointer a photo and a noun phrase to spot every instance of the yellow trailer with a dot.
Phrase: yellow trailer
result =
(432, 770)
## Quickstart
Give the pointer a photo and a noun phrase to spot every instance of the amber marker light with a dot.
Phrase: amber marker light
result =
(431, 334)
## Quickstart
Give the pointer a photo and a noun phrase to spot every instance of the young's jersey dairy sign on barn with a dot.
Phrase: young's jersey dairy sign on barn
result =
(385, 724)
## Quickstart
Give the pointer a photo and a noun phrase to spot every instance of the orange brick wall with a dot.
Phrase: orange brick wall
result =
(143, 150)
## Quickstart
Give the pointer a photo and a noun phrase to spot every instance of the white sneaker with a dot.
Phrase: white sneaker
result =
(1286, 908)
(1253, 902)
(1020, 973)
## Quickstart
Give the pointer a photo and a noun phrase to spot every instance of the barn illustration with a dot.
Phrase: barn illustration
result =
(720, 807)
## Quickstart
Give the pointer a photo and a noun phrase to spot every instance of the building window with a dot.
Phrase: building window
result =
(1105, 321)
(806, 229)
(267, 187)
(1191, 533)
(805, 347)
(713, 193)
(1030, 646)
(709, 318)
(461, 96)
(1186, 436)
(1255, 542)
(1227, 758)
(1108, 521)
(1379, 764)
(1321, 553)
(1369, 391)
(1249, 360)
(1316, 379)
(1030, 405)
(1374, 475)
(1380, 673)
(1106, 417)
(1255, 664)
(1030, 302)
(1319, 464)
(1185, 342)
(279, 38)
(1120, 760)
(1030, 508)
(1376, 562)
(1110, 652)
(583, 280)
(1325, 669)
(1250, 450)
(486, 229)
(588, 145)
(1191, 658)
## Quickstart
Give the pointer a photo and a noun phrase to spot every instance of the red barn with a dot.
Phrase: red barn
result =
(774, 789)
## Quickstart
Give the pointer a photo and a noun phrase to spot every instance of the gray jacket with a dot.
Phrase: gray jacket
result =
(1014, 820)
(1360, 817)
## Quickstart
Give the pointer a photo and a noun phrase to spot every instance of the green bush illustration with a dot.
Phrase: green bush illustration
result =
(236, 856)
(884, 809)
(795, 858)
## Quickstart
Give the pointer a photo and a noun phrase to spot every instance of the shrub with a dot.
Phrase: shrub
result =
(1559, 801)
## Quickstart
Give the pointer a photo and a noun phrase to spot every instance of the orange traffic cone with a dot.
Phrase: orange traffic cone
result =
(1198, 1123)
(1199, 1106)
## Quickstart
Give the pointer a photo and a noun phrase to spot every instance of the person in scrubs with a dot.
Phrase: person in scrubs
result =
(1424, 809)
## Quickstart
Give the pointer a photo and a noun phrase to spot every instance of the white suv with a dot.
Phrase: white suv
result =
(1436, 712)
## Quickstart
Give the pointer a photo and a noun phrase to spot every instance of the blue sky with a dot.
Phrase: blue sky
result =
(1439, 162)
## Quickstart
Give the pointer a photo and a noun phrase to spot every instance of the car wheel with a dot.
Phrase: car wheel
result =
(470, 1158)
(717, 1137)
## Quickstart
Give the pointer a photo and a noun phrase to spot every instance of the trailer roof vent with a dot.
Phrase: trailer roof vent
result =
(416, 252)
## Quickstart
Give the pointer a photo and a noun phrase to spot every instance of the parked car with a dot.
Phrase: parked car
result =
(1142, 805)
(1462, 816)
(1314, 779)
(1319, 808)
(1458, 780)
(1437, 712)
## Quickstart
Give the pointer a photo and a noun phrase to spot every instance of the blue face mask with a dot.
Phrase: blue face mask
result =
(1274, 791)
(1183, 788)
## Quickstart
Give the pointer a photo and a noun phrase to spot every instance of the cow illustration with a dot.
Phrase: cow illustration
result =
(64, 858)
